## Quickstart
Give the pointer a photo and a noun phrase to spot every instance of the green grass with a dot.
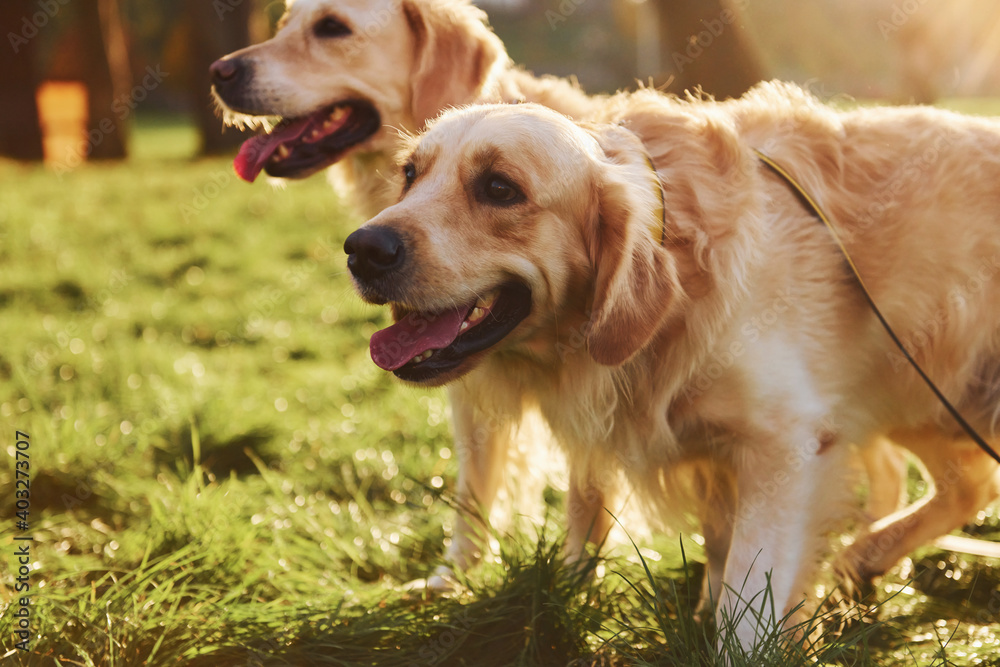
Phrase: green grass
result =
(220, 476)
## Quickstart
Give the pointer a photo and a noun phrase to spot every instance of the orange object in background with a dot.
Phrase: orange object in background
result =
(62, 108)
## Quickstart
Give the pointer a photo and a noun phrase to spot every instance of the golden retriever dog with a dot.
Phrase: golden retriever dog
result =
(676, 313)
(342, 78)
(336, 86)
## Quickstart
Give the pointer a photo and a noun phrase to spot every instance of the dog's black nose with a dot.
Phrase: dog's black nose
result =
(373, 252)
(226, 71)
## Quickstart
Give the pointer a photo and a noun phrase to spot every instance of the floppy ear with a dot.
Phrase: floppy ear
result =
(455, 54)
(635, 277)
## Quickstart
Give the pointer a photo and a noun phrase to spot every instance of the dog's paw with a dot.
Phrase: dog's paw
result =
(858, 574)
(588, 568)
(442, 581)
(705, 610)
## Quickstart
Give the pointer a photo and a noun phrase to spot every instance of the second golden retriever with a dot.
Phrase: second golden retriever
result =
(694, 325)
(342, 78)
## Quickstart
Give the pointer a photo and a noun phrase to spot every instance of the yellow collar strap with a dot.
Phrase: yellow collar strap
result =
(658, 229)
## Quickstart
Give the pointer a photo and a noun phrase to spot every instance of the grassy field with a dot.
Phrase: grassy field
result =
(220, 476)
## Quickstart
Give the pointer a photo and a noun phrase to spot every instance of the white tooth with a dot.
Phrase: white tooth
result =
(315, 135)
(338, 114)
(477, 314)
(464, 326)
(283, 151)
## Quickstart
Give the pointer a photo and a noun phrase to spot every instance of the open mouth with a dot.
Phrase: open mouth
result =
(422, 346)
(298, 147)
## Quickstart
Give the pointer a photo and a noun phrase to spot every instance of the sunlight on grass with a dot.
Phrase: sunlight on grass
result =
(220, 475)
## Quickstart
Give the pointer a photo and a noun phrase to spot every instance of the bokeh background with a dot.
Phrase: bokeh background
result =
(68, 62)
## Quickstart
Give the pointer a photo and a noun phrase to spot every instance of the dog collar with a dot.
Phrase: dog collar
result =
(658, 230)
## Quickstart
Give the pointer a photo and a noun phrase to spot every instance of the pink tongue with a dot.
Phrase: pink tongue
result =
(256, 151)
(416, 333)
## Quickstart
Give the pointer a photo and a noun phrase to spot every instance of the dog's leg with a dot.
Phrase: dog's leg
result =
(717, 530)
(718, 537)
(786, 494)
(964, 479)
(481, 445)
(766, 549)
(886, 466)
(587, 517)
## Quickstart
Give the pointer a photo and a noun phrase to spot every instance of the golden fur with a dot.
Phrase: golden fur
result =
(728, 371)
(411, 59)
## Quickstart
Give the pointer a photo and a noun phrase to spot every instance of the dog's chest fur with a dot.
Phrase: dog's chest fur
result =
(616, 414)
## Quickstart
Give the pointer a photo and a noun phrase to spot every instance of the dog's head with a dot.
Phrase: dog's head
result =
(340, 75)
(517, 231)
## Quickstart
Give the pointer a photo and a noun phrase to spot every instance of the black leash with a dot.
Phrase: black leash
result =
(815, 209)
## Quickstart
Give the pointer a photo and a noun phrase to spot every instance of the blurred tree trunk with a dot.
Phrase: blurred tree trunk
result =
(107, 77)
(706, 43)
(20, 129)
(216, 28)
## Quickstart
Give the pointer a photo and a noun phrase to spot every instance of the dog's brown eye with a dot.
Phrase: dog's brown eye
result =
(409, 173)
(331, 27)
(500, 190)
